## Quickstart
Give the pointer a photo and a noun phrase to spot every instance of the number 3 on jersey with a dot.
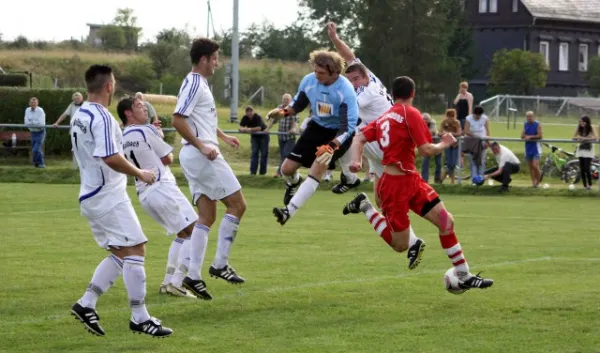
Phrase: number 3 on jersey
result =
(384, 140)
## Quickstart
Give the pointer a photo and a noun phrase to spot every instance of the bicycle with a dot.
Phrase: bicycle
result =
(561, 164)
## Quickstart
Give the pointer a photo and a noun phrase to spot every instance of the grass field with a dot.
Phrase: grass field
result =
(322, 283)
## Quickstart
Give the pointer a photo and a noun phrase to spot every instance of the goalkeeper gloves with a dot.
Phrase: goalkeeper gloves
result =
(276, 114)
(325, 153)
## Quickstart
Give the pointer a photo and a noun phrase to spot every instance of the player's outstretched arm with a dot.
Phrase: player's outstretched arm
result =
(357, 148)
(184, 130)
(118, 163)
(342, 48)
(433, 149)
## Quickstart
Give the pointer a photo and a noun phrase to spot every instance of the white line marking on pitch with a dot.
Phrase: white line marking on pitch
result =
(16, 213)
(291, 288)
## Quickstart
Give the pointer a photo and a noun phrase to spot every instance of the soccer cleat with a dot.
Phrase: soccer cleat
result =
(150, 327)
(163, 289)
(359, 204)
(290, 191)
(227, 273)
(415, 253)
(475, 281)
(195, 288)
(282, 215)
(343, 186)
(88, 317)
(179, 292)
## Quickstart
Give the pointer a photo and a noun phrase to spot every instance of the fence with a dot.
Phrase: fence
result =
(503, 105)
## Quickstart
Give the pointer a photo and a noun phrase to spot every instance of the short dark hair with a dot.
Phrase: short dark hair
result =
(478, 110)
(360, 67)
(494, 144)
(202, 47)
(403, 87)
(96, 77)
(124, 105)
(249, 109)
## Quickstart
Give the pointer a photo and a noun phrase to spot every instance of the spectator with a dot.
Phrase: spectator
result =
(259, 141)
(508, 164)
(71, 109)
(450, 125)
(532, 130)
(287, 129)
(152, 116)
(35, 120)
(438, 158)
(463, 103)
(477, 126)
(585, 150)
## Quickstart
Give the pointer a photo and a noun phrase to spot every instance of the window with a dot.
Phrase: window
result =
(515, 6)
(493, 6)
(483, 8)
(563, 57)
(545, 51)
(583, 57)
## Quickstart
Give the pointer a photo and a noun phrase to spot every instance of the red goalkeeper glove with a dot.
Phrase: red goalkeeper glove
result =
(325, 153)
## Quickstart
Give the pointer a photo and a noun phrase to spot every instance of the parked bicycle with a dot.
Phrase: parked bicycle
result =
(561, 164)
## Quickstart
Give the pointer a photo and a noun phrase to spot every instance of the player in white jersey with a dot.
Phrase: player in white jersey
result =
(209, 176)
(97, 145)
(373, 101)
(144, 146)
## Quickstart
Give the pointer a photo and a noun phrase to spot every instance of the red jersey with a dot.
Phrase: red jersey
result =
(398, 132)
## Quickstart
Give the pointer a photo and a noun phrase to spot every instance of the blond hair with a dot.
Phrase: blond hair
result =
(329, 60)
(464, 84)
(451, 113)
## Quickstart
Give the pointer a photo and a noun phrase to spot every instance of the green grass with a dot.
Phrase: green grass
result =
(322, 283)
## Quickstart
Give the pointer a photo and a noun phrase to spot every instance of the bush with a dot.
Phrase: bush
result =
(14, 80)
(167, 121)
(14, 101)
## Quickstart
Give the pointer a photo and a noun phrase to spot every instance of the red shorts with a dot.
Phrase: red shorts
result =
(399, 194)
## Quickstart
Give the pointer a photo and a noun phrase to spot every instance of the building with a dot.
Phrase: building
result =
(566, 32)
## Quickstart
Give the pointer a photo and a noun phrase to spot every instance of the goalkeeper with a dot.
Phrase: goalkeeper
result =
(335, 115)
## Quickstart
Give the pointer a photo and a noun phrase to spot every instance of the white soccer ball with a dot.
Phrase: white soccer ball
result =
(546, 186)
(571, 187)
(490, 182)
(451, 282)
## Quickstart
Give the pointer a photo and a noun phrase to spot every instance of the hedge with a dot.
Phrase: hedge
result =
(14, 101)
(14, 80)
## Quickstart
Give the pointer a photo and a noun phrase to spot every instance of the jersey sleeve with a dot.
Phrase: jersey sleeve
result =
(348, 113)
(103, 132)
(160, 147)
(417, 128)
(363, 96)
(301, 101)
(190, 92)
(370, 131)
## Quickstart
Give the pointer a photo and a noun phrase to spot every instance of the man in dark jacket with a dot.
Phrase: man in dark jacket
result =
(259, 141)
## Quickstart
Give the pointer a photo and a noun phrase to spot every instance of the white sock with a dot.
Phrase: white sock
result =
(105, 275)
(183, 262)
(172, 259)
(305, 192)
(134, 277)
(292, 179)
(197, 250)
(227, 233)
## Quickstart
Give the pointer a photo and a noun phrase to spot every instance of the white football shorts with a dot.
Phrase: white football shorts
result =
(168, 206)
(374, 155)
(215, 179)
(119, 227)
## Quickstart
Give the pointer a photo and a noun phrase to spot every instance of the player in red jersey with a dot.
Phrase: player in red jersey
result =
(399, 131)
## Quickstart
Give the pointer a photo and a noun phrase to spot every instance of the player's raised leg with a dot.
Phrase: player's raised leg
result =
(174, 286)
(293, 179)
(207, 214)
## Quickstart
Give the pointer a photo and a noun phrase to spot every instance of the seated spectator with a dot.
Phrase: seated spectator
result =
(508, 164)
(259, 141)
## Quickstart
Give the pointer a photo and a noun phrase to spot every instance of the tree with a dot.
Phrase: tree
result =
(128, 22)
(113, 37)
(167, 51)
(593, 76)
(517, 71)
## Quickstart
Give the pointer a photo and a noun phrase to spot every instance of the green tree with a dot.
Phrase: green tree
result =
(593, 76)
(128, 22)
(517, 71)
(168, 49)
(113, 37)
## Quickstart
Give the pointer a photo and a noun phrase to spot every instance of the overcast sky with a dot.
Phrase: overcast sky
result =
(61, 19)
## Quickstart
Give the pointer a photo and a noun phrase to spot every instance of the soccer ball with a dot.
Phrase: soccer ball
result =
(451, 282)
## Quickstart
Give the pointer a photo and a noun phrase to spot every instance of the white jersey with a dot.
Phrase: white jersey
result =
(144, 147)
(373, 99)
(95, 135)
(196, 102)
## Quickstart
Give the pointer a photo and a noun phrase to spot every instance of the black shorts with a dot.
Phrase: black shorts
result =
(312, 138)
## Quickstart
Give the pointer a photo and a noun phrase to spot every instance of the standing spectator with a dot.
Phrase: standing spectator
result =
(585, 151)
(438, 158)
(287, 129)
(259, 141)
(71, 109)
(477, 125)
(450, 125)
(508, 164)
(463, 103)
(532, 130)
(35, 120)
(152, 116)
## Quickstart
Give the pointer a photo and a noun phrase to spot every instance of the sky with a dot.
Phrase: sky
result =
(64, 19)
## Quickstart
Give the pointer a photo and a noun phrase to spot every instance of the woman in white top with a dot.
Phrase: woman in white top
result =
(585, 150)
(477, 125)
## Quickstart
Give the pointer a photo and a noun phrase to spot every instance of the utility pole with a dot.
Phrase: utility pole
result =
(235, 62)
